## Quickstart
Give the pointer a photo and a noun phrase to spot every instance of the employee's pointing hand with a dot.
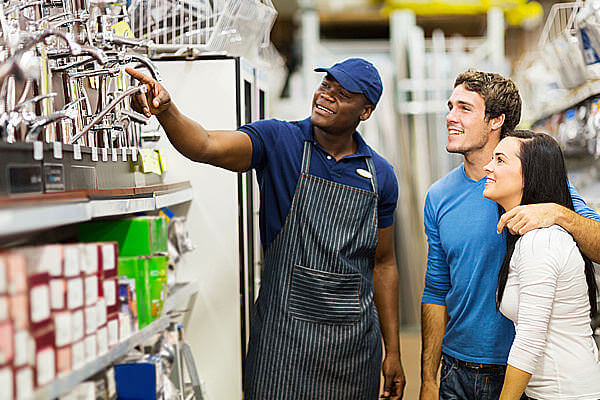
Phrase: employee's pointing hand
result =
(155, 100)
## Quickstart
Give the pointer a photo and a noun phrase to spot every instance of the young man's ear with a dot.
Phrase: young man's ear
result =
(496, 123)
(367, 111)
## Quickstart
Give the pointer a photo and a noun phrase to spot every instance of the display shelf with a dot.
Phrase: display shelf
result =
(573, 98)
(109, 207)
(65, 383)
(178, 197)
(14, 220)
(180, 292)
(20, 215)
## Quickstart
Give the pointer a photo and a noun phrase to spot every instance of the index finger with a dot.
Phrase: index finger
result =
(138, 75)
(507, 216)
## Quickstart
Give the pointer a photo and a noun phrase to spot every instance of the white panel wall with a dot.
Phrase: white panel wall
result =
(206, 91)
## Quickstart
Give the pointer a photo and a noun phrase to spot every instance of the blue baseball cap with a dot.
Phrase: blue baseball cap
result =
(357, 75)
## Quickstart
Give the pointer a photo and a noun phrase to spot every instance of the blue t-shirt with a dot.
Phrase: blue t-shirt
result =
(464, 257)
(277, 148)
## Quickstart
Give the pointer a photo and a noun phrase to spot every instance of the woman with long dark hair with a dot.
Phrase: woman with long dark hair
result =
(546, 286)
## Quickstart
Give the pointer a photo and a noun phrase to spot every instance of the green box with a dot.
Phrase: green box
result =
(137, 268)
(137, 236)
(157, 268)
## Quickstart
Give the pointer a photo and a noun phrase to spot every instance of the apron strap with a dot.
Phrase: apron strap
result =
(306, 157)
(371, 168)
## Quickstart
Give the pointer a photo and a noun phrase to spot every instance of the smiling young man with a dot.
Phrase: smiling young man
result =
(460, 323)
(330, 284)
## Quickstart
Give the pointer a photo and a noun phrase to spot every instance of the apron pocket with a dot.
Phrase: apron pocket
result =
(322, 297)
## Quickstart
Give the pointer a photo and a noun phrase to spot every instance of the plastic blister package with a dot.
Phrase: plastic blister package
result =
(243, 25)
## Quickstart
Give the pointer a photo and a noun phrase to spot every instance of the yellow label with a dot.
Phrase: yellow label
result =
(149, 161)
(122, 29)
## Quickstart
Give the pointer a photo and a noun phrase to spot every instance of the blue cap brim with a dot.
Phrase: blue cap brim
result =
(346, 81)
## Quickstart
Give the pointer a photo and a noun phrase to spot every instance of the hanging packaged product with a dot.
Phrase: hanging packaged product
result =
(588, 29)
(564, 56)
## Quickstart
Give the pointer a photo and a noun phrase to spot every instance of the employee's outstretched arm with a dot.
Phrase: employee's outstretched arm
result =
(433, 327)
(385, 282)
(231, 150)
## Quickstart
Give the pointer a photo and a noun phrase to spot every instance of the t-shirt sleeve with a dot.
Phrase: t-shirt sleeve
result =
(437, 276)
(388, 200)
(580, 206)
(263, 135)
(537, 266)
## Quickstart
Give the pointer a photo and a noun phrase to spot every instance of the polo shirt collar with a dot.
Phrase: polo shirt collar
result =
(362, 149)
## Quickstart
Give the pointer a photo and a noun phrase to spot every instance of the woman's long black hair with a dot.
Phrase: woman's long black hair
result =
(544, 181)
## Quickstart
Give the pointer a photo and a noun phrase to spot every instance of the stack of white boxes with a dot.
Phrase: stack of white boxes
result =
(58, 310)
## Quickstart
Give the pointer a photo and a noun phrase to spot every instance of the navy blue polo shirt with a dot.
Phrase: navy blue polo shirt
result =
(277, 148)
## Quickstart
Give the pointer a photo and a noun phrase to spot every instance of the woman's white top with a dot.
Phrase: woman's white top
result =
(546, 296)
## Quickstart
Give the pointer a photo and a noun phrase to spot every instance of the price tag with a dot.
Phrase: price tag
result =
(38, 150)
(133, 154)
(94, 154)
(77, 151)
(57, 147)
(104, 154)
(115, 157)
(124, 154)
(149, 161)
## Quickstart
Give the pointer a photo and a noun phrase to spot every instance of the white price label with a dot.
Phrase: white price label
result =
(57, 147)
(94, 154)
(38, 150)
(115, 157)
(133, 154)
(104, 154)
(77, 151)
(124, 154)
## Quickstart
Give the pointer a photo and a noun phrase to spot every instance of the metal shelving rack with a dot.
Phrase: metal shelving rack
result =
(65, 383)
(23, 219)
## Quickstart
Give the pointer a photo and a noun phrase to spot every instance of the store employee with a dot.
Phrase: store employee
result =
(330, 284)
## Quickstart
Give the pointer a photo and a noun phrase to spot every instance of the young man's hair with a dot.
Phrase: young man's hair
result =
(544, 181)
(500, 95)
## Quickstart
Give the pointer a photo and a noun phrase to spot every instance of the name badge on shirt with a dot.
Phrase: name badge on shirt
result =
(364, 173)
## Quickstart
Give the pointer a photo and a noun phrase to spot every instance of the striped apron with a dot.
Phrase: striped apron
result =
(315, 330)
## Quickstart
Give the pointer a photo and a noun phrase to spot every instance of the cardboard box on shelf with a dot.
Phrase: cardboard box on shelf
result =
(58, 293)
(91, 289)
(63, 325)
(45, 358)
(75, 295)
(91, 320)
(24, 348)
(77, 355)
(109, 253)
(24, 383)
(91, 347)
(102, 339)
(78, 324)
(110, 292)
(135, 236)
(6, 383)
(7, 343)
(64, 360)
(112, 328)
(90, 258)
(72, 260)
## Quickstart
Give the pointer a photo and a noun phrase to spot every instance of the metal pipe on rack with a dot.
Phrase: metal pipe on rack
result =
(98, 117)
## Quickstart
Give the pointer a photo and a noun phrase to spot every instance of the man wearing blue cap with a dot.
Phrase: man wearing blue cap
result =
(330, 284)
